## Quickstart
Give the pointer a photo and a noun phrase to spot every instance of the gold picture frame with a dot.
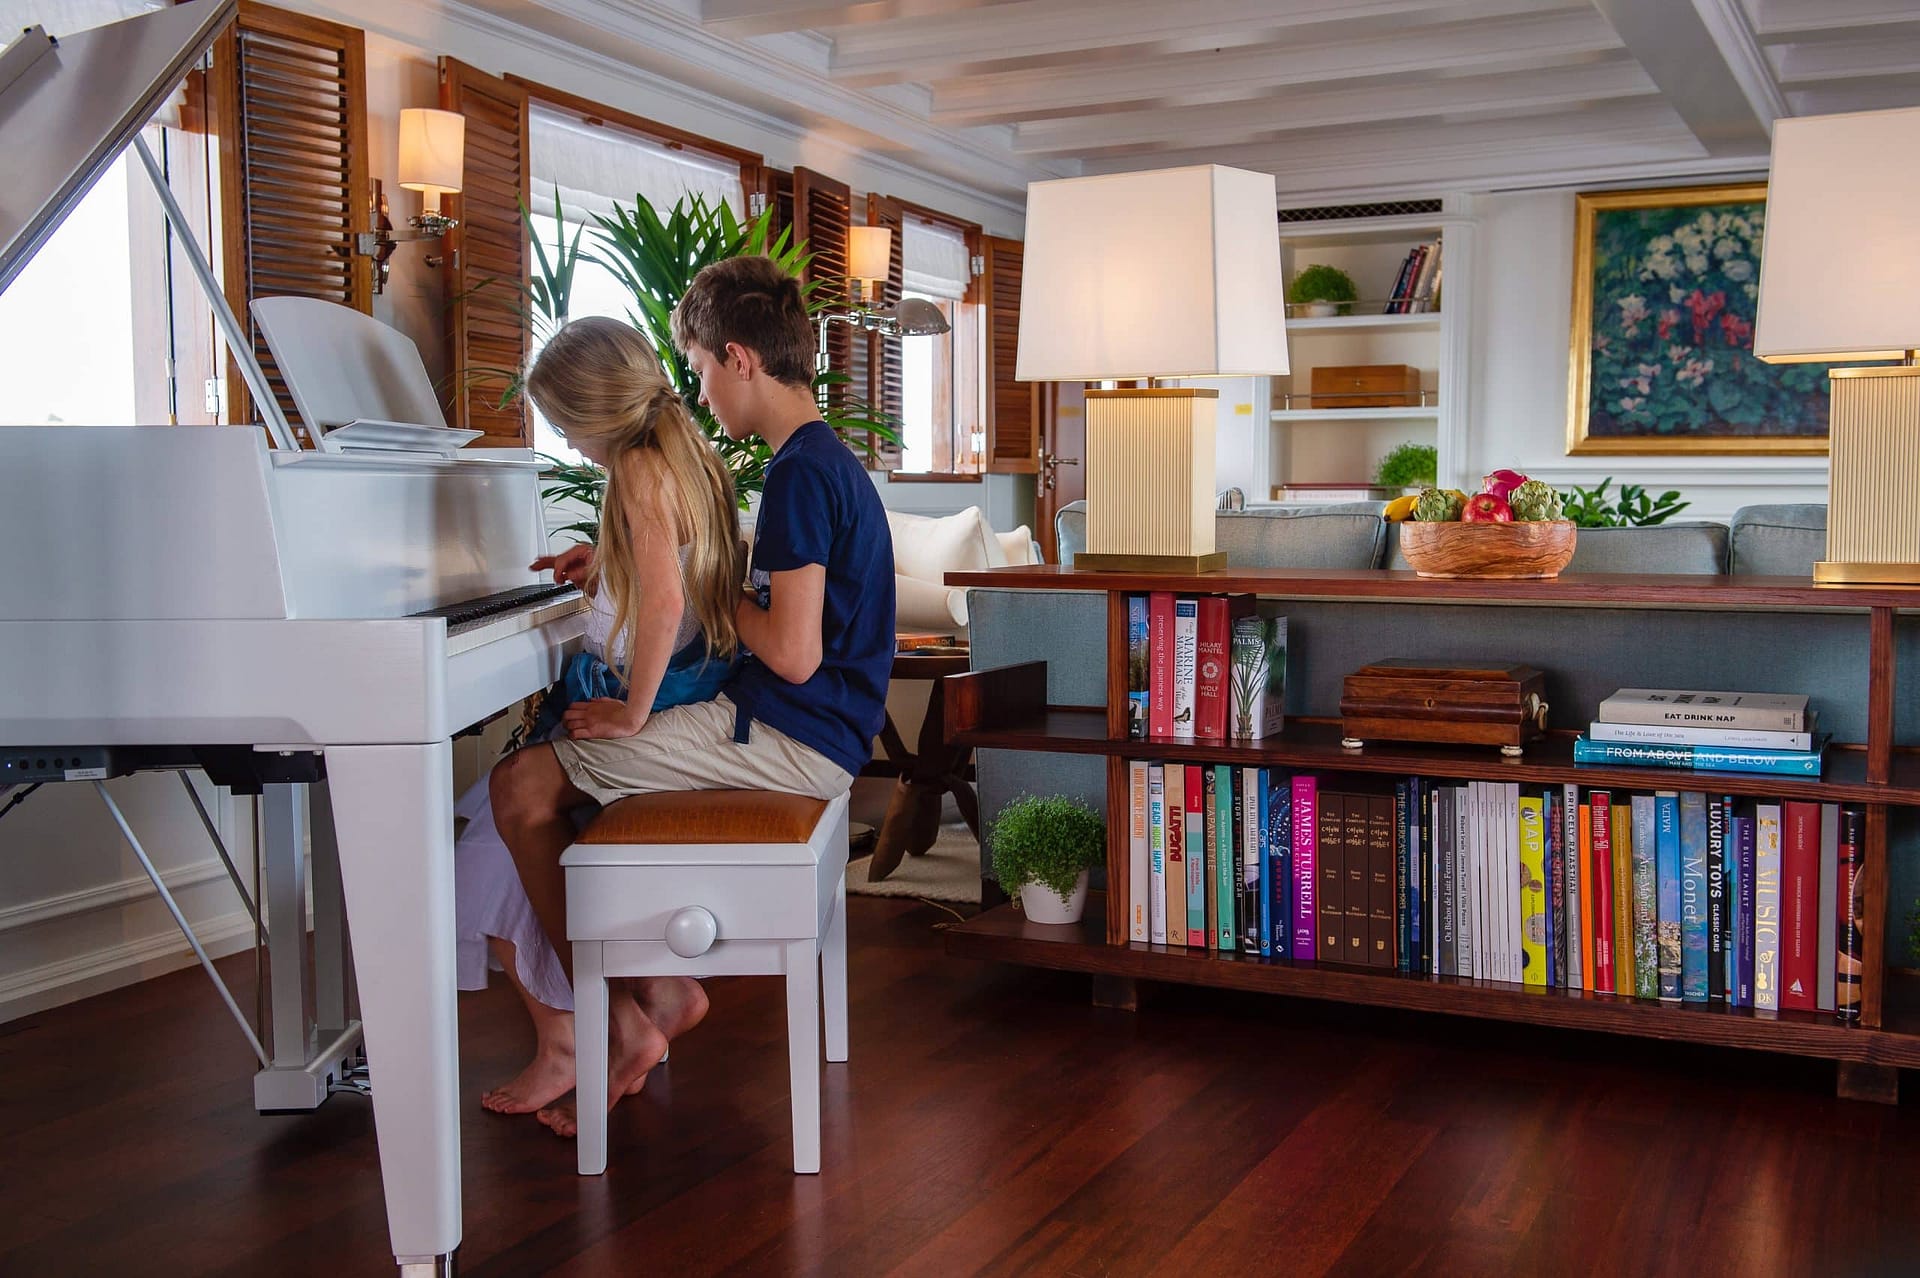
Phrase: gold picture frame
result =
(1661, 350)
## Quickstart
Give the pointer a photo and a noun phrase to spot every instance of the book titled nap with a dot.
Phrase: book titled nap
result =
(1759, 711)
(1257, 679)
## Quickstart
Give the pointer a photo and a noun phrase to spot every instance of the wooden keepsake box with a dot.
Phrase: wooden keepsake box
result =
(1465, 704)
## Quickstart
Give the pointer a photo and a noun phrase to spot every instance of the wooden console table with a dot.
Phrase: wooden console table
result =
(1007, 709)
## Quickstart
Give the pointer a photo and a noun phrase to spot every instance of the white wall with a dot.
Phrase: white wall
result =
(1522, 331)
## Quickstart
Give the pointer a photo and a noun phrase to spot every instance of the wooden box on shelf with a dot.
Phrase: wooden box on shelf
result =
(1408, 700)
(1366, 386)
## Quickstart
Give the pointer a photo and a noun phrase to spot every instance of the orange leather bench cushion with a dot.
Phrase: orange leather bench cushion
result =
(707, 816)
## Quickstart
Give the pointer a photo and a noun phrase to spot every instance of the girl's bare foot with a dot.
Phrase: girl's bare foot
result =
(674, 1003)
(547, 1078)
(635, 1047)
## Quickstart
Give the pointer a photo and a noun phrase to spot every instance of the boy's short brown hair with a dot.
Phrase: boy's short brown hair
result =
(751, 301)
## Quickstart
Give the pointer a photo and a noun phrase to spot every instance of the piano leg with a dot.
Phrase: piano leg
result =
(392, 809)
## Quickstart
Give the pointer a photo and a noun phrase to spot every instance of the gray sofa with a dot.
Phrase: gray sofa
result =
(1586, 651)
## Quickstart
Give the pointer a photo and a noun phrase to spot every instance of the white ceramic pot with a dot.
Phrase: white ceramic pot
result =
(1323, 310)
(1042, 904)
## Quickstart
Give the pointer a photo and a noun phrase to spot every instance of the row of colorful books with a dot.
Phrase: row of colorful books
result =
(1705, 732)
(1418, 286)
(1210, 667)
(1683, 897)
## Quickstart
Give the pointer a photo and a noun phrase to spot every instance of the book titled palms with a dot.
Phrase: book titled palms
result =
(1257, 680)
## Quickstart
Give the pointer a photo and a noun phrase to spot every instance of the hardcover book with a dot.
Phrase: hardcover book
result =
(1693, 897)
(1250, 802)
(1186, 650)
(1139, 658)
(1573, 969)
(1196, 888)
(1331, 871)
(1226, 850)
(1646, 898)
(1766, 908)
(1850, 946)
(1466, 920)
(1823, 992)
(1213, 642)
(1625, 974)
(1356, 901)
(1684, 734)
(1748, 842)
(1257, 685)
(1765, 711)
(1533, 891)
(1666, 860)
(1600, 821)
(1139, 854)
(1799, 903)
(1278, 873)
(1304, 934)
(1157, 836)
(1382, 888)
(1716, 899)
(1176, 812)
(1800, 763)
(1160, 663)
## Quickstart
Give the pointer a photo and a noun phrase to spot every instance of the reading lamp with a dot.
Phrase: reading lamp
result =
(1840, 281)
(432, 157)
(869, 257)
(1167, 273)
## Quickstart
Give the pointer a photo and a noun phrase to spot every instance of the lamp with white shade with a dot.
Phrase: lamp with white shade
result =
(869, 260)
(1161, 274)
(432, 156)
(1840, 281)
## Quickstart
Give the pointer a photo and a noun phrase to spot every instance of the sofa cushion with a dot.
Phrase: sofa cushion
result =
(929, 547)
(1017, 547)
(1777, 541)
(1297, 538)
(921, 605)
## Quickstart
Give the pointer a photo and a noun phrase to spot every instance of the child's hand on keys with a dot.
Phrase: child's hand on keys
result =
(570, 566)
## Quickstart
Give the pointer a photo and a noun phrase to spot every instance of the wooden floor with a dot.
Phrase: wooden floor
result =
(991, 1121)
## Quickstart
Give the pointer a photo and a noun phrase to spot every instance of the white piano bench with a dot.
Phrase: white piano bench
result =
(711, 883)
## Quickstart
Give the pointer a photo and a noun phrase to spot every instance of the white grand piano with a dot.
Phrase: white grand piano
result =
(213, 593)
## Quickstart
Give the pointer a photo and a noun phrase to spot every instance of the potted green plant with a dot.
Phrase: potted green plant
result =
(1411, 466)
(1324, 290)
(1043, 849)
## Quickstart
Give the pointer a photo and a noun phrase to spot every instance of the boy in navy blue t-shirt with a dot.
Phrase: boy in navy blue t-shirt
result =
(817, 622)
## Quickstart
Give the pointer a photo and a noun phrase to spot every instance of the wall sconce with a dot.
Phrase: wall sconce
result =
(432, 156)
(869, 255)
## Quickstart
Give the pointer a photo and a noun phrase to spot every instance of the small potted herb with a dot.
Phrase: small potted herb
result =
(1324, 290)
(1043, 849)
(1409, 465)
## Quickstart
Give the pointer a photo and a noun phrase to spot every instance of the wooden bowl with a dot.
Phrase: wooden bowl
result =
(1519, 549)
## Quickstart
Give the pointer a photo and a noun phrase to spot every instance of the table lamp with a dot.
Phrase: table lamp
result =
(1166, 273)
(1840, 281)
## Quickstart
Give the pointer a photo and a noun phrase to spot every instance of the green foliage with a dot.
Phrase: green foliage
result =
(1592, 508)
(581, 482)
(1322, 283)
(541, 305)
(656, 259)
(1409, 465)
(1046, 841)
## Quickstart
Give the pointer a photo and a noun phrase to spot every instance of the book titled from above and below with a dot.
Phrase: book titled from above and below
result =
(1753, 711)
(1700, 758)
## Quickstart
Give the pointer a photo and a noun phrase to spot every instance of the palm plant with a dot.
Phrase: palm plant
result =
(657, 259)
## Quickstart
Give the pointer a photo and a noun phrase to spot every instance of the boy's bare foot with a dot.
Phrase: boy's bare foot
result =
(674, 1003)
(547, 1078)
(635, 1046)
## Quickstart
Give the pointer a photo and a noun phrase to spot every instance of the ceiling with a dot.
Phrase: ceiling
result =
(1339, 99)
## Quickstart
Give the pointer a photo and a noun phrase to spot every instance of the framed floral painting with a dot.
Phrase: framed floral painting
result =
(1666, 284)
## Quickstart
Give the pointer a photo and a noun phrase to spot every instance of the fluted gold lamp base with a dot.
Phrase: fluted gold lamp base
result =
(1150, 476)
(1873, 478)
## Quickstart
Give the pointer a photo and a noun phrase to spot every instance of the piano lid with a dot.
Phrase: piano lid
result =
(69, 113)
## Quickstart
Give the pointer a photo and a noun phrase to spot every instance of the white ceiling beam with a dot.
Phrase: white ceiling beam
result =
(1637, 134)
(1038, 33)
(1194, 79)
(1813, 62)
(1775, 19)
(739, 18)
(1855, 95)
(1731, 30)
(1269, 118)
(1670, 39)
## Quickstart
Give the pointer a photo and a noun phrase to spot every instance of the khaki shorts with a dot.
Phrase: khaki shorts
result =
(692, 748)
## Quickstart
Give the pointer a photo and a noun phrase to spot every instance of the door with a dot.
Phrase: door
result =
(1063, 451)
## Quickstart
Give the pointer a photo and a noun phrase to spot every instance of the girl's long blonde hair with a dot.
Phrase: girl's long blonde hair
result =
(600, 384)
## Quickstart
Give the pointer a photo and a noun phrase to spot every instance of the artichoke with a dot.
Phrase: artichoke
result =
(1436, 506)
(1534, 501)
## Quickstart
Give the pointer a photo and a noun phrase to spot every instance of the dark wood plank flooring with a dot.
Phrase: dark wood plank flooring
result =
(991, 1121)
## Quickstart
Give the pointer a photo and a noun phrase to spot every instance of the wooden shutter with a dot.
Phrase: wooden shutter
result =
(486, 257)
(777, 185)
(822, 212)
(1013, 419)
(885, 370)
(294, 180)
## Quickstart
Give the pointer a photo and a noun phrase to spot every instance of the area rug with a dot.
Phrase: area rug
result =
(950, 871)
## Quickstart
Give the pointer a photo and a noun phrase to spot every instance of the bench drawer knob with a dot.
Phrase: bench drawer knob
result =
(692, 931)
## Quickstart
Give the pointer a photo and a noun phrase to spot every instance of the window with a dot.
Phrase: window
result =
(591, 166)
(940, 375)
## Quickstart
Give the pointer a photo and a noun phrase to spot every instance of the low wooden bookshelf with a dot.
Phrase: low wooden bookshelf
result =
(1007, 709)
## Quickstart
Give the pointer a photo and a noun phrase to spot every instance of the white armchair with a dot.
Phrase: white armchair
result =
(926, 548)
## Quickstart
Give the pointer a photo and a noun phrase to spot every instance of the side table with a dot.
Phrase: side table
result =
(933, 770)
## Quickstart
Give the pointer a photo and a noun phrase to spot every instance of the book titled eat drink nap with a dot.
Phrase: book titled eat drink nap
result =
(1759, 711)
